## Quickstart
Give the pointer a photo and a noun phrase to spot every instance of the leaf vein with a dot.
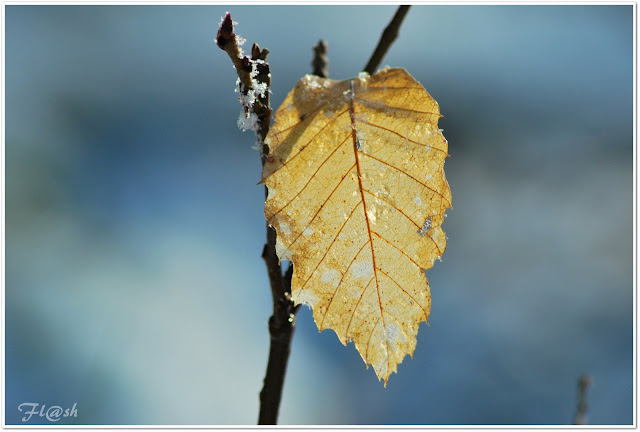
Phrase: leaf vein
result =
(376, 105)
(371, 335)
(405, 137)
(311, 177)
(330, 245)
(399, 250)
(302, 121)
(322, 206)
(408, 175)
(426, 315)
(392, 205)
(339, 284)
(364, 204)
(356, 306)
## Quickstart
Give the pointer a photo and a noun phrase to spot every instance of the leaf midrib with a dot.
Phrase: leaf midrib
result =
(352, 113)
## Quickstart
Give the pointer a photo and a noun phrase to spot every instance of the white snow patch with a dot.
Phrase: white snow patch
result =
(285, 229)
(307, 231)
(370, 104)
(394, 333)
(248, 121)
(254, 67)
(362, 269)
(260, 88)
(371, 214)
(331, 276)
(428, 177)
(245, 99)
(282, 251)
(417, 200)
(434, 236)
(307, 297)
(271, 193)
(312, 81)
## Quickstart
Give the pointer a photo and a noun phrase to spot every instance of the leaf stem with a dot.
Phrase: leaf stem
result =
(389, 35)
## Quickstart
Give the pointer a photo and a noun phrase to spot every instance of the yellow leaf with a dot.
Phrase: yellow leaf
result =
(357, 194)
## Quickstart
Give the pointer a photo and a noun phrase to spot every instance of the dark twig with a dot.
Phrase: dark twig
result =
(581, 412)
(320, 62)
(254, 73)
(389, 34)
(227, 41)
(281, 327)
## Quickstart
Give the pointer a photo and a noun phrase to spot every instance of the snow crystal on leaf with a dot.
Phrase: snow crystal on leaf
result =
(331, 276)
(311, 81)
(308, 297)
(362, 269)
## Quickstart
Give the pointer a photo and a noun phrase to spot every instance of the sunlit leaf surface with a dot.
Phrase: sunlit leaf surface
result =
(357, 195)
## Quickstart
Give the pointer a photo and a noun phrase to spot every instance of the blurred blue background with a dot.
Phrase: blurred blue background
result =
(134, 225)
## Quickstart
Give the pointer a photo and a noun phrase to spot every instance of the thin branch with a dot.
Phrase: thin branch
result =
(581, 412)
(281, 327)
(389, 35)
(228, 42)
(320, 62)
(254, 72)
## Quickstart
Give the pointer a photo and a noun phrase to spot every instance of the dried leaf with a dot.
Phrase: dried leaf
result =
(357, 194)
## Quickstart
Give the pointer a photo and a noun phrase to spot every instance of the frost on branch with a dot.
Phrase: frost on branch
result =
(248, 119)
(254, 79)
(357, 195)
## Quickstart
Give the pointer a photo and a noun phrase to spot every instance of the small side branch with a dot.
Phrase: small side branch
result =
(320, 62)
(389, 35)
(581, 412)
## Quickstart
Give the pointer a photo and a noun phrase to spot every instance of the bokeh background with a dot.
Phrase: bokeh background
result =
(134, 225)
